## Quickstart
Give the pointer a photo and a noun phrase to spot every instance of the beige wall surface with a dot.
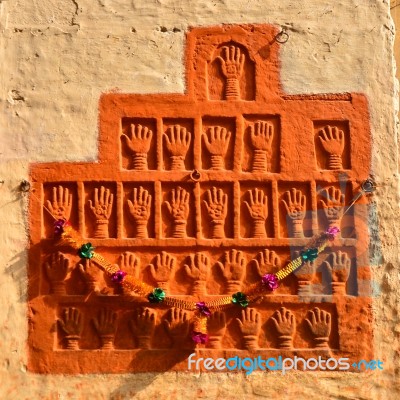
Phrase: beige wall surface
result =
(59, 56)
(395, 12)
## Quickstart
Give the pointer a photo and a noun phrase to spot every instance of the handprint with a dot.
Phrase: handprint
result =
(101, 210)
(177, 326)
(61, 204)
(91, 275)
(72, 324)
(140, 208)
(332, 140)
(57, 268)
(250, 326)
(179, 210)
(163, 269)
(106, 326)
(333, 206)
(267, 262)
(217, 142)
(258, 210)
(305, 275)
(198, 269)
(339, 267)
(216, 326)
(233, 269)
(232, 63)
(285, 324)
(139, 144)
(295, 205)
(177, 140)
(129, 263)
(319, 322)
(142, 325)
(261, 136)
(217, 208)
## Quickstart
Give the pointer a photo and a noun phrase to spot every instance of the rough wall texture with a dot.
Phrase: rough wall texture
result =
(58, 57)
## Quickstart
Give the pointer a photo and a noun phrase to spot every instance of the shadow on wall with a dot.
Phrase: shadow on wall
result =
(17, 265)
(131, 385)
(18, 272)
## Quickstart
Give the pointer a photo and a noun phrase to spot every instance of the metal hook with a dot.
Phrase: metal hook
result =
(282, 37)
(195, 175)
(368, 186)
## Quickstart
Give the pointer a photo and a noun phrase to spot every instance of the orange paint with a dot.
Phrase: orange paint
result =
(201, 194)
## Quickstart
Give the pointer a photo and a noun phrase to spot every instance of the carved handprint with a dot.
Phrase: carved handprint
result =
(305, 275)
(217, 142)
(179, 210)
(295, 204)
(258, 210)
(216, 326)
(332, 140)
(177, 326)
(57, 268)
(233, 269)
(140, 208)
(339, 267)
(267, 262)
(106, 326)
(232, 63)
(72, 324)
(139, 144)
(319, 322)
(177, 140)
(250, 326)
(261, 136)
(333, 206)
(92, 275)
(163, 269)
(142, 325)
(61, 204)
(101, 210)
(217, 208)
(198, 269)
(130, 263)
(285, 324)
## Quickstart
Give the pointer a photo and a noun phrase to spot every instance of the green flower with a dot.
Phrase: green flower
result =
(240, 298)
(157, 296)
(86, 251)
(309, 254)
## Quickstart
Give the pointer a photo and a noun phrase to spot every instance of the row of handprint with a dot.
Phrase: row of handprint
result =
(198, 210)
(222, 147)
(205, 273)
(146, 329)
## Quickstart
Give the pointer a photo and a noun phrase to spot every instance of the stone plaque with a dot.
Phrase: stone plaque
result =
(201, 194)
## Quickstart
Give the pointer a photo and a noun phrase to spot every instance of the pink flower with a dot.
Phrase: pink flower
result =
(201, 306)
(118, 277)
(270, 281)
(199, 337)
(332, 232)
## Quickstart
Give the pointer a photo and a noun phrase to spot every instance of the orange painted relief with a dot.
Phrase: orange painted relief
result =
(201, 194)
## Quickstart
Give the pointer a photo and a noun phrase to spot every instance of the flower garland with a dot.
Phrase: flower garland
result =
(203, 310)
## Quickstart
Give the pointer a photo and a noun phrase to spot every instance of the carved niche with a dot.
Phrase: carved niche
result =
(201, 194)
